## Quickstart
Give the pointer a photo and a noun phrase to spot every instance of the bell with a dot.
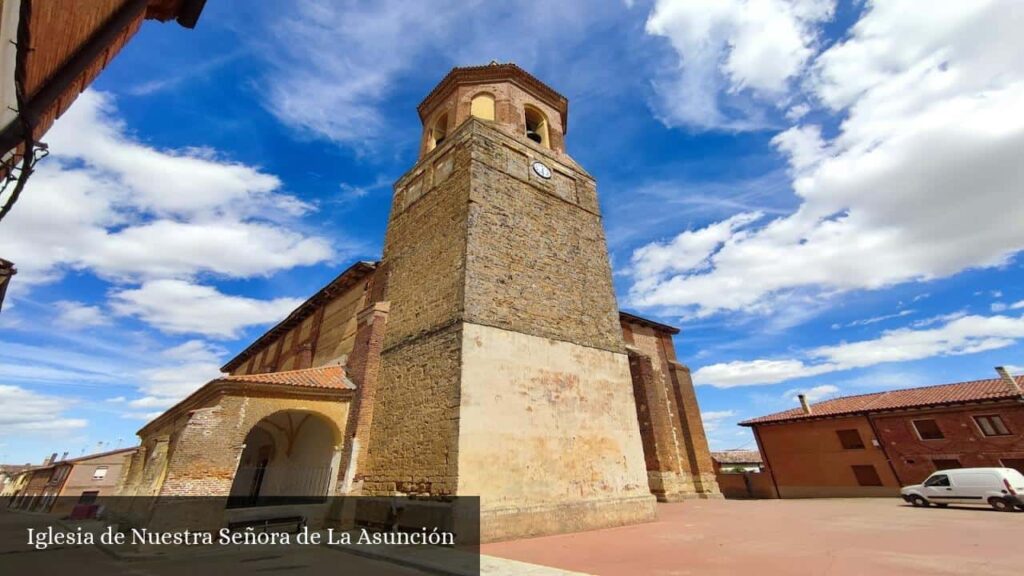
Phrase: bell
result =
(533, 135)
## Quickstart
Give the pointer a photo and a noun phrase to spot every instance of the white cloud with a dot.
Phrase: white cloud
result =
(390, 45)
(337, 92)
(873, 319)
(106, 203)
(77, 315)
(813, 394)
(726, 47)
(960, 336)
(754, 372)
(713, 419)
(185, 369)
(182, 307)
(32, 413)
(922, 180)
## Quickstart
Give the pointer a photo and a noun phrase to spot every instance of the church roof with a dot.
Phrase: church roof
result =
(320, 377)
(634, 319)
(320, 380)
(342, 282)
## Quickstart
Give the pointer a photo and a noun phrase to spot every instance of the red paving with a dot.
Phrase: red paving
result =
(825, 536)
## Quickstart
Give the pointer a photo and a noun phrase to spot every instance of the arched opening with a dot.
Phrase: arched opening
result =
(292, 454)
(537, 126)
(482, 106)
(438, 132)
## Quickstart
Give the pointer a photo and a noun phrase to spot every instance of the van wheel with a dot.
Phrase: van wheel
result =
(1001, 505)
(919, 502)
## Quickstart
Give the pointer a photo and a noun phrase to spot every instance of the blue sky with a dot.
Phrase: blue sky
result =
(825, 198)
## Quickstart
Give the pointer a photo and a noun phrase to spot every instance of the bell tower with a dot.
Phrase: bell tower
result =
(503, 370)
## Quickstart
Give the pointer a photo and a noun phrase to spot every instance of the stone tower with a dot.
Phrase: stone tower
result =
(503, 372)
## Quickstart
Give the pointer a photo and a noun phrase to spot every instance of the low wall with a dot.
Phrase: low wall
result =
(746, 485)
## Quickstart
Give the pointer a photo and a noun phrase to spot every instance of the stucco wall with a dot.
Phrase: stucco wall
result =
(809, 461)
(560, 419)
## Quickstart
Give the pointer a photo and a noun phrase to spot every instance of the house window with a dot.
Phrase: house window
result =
(866, 475)
(946, 463)
(991, 425)
(482, 107)
(100, 473)
(537, 126)
(850, 439)
(1015, 463)
(928, 430)
(88, 497)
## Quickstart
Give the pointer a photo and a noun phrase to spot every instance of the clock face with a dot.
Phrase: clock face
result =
(542, 170)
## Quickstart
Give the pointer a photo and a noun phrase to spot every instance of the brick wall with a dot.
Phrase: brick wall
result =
(679, 463)
(914, 458)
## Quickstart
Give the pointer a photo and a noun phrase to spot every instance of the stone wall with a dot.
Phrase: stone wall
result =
(414, 436)
(536, 262)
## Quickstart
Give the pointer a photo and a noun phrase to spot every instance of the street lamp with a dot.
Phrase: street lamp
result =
(7, 270)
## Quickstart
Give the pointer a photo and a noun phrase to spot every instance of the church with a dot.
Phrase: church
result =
(483, 355)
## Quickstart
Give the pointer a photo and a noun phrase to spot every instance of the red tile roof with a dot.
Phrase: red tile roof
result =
(737, 457)
(978, 390)
(321, 377)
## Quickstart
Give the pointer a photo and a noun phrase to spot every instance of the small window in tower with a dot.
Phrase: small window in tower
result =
(537, 126)
(439, 131)
(482, 107)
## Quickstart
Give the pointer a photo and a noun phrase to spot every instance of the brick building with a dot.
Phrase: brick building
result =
(489, 331)
(872, 444)
(57, 485)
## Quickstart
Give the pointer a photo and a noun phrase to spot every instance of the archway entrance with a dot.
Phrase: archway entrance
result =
(290, 456)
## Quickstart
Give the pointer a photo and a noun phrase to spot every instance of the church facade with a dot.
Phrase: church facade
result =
(483, 355)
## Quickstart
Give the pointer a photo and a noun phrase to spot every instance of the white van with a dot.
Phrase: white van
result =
(1000, 488)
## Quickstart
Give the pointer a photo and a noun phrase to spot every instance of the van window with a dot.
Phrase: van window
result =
(937, 480)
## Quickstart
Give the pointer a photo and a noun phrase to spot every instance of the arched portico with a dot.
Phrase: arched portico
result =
(290, 453)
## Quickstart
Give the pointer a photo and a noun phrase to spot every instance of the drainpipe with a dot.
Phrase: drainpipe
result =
(881, 444)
